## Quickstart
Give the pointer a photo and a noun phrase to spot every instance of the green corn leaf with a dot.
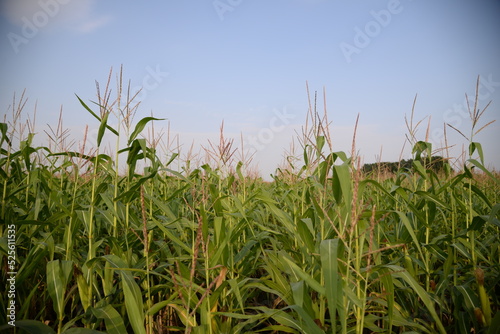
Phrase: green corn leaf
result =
(308, 325)
(102, 128)
(133, 302)
(432, 198)
(419, 168)
(399, 272)
(140, 126)
(82, 331)
(306, 156)
(238, 170)
(388, 284)
(469, 297)
(406, 222)
(132, 292)
(27, 150)
(101, 158)
(322, 170)
(304, 299)
(422, 147)
(329, 265)
(495, 324)
(95, 115)
(83, 291)
(30, 327)
(342, 188)
(285, 319)
(235, 288)
(475, 146)
(401, 321)
(305, 235)
(491, 218)
(57, 277)
(282, 216)
(305, 276)
(27, 302)
(479, 193)
(320, 143)
(186, 319)
(304, 323)
(172, 237)
(172, 158)
(112, 319)
(158, 306)
(3, 131)
(239, 315)
(244, 251)
(486, 171)
(133, 156)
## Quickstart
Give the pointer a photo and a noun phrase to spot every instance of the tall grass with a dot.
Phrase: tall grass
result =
(323, 248)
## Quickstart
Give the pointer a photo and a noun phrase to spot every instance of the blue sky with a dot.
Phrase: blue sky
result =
(201, 62)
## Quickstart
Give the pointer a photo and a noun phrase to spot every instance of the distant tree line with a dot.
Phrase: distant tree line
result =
(435, 163)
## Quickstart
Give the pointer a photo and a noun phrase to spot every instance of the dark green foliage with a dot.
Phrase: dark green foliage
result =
(436, 164)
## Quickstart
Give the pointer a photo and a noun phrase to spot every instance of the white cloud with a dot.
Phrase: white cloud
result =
(94, 24)
(76, 15)
(14, 10)
(17, 12)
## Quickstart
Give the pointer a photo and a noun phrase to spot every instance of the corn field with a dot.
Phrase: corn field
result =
(323, 248)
